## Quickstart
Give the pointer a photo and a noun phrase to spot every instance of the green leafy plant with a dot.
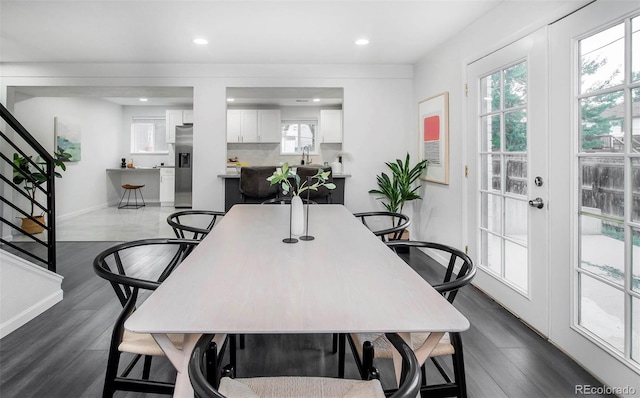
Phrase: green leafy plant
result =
(398, 189)
(31, 177)
(290, 182)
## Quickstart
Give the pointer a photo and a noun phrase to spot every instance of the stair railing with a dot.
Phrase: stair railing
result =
(46, 242)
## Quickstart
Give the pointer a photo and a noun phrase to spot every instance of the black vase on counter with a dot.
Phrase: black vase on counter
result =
(123, 164)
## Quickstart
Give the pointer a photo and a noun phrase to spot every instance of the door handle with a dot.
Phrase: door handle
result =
(537, 202)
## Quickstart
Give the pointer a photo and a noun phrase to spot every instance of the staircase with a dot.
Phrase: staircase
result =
(29, 284)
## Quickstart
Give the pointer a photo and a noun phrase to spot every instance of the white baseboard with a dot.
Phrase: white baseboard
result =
(28, 314)
(27, 290)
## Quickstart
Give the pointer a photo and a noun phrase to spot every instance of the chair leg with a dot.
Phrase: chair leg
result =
(124, 192)
(111, 374)
(367, 361)
(340, 339)
(334, 345)
(211, 364)
(458, 365)
(147, 367)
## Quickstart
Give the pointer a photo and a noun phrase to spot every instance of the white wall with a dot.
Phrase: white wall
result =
(440, 214)
(83, 185)
(378, 121)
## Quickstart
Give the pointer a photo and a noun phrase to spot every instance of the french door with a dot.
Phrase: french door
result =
(594, 106)
(507, 176)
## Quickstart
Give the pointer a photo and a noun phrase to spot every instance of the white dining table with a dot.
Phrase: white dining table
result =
(242, 278)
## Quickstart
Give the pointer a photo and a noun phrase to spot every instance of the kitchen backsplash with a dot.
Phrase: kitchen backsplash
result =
(263, 154)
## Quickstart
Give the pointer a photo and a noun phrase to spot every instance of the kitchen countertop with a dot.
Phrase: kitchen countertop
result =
(237, 175)
(140, 168)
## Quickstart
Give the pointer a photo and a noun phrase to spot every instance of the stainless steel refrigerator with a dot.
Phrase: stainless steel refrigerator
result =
(184, 166)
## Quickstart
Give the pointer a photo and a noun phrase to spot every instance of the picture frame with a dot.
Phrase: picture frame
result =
(433, 115)
(68, 138)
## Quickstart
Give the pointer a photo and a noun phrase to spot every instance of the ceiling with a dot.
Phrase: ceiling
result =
(238, 32)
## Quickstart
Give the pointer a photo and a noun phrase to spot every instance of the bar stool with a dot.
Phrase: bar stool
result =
(127, 191)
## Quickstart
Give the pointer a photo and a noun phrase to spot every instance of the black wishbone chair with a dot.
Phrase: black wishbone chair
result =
(196, 223)
(133, 268)
(367, 346)
(302, 386)
(385, 224)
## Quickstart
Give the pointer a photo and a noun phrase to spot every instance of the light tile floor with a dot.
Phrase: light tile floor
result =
(113, 224)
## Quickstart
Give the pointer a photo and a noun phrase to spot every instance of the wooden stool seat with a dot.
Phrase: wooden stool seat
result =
(127, 191)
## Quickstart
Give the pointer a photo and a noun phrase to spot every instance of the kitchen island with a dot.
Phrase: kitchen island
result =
(232, 189)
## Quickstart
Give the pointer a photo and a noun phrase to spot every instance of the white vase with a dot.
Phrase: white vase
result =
(297, 216)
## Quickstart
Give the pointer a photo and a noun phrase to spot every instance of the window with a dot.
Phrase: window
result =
(298, 134)
(148, 135)
(608, 163)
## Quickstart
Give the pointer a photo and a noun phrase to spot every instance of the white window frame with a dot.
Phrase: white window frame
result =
(157, 125)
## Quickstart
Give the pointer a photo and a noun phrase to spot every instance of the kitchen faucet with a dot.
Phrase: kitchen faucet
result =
(306, 149)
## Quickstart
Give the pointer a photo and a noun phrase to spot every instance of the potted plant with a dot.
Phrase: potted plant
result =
(290, 184)
(31, 178)
(398, 189)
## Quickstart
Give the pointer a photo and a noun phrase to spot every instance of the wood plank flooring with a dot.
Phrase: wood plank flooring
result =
(63, 352)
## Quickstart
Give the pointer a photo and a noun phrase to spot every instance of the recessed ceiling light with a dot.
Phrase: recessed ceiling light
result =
(362, 42)
(230, 99)
(201, 41)
(143, 100)
(316, 100)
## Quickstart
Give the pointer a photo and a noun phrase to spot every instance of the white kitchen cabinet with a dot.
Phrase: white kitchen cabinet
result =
(242, 125)
(167, 186)
(330, 126)
(176, 118)
(269, 125)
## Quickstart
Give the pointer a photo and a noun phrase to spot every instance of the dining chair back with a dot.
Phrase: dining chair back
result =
(303, 386)
(193, 224)
(132, 267)
(459, 272)
(385, 224)
(254, 185)
(323, 194)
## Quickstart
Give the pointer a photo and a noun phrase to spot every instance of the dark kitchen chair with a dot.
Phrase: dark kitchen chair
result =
(365, 347)
(133, 268)
(197, 223)
(322, 195)
(302, 386)
(385, 224)
(254, 187)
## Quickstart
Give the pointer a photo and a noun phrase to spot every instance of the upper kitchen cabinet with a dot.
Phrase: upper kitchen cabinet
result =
(269, 125)
(177, 118)
(252, 125)
(330, 126)
(242, 125)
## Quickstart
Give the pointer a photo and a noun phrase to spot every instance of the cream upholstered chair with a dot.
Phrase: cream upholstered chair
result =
(131, 267)
(196, 223)
(367, 346)
(308, 387)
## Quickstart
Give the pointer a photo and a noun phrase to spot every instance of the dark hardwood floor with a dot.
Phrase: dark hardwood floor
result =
(63, 352)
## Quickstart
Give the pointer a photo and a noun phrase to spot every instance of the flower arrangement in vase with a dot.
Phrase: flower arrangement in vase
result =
(291, 184)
